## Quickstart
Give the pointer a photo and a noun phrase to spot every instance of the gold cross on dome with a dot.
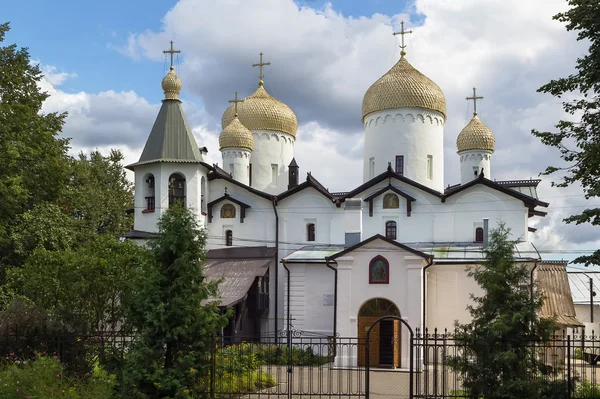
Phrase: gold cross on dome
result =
(402, 33)
(474, 98)
(172, 51)
(235, 103)
(260, 67)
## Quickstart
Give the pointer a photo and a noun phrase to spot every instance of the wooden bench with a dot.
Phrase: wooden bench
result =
(591, 358)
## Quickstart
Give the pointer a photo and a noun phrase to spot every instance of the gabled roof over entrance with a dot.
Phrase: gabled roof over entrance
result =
(310, 182)
(380, 237)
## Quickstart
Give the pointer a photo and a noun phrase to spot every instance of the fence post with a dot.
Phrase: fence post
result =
(367, 367)
(569, 387)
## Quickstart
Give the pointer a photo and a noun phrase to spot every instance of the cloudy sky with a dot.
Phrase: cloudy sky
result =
(104, 63)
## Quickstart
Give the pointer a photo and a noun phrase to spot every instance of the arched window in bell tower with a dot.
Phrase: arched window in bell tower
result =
(148, 190)
(176, 189)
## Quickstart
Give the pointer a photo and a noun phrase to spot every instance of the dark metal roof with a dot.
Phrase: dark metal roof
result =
(236, 275)
(241, 253)
(133, 234)
(389, 241)
(171, 139)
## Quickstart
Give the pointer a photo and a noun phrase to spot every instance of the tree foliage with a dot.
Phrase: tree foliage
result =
(33, 157)
(80, 289)
(499, 360)
(173, 314)
(578, 139)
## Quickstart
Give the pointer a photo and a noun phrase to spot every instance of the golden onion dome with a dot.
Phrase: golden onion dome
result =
(171, 85)
(261, 111)
(236, 135)
(475, 136)
(403, 87)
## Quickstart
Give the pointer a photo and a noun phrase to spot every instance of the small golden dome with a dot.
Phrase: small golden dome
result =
(403, 87)
(171, 85)
(261, 111)
(475, 136)
(236, 135)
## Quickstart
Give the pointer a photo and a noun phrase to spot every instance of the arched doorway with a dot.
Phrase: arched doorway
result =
(384, 348)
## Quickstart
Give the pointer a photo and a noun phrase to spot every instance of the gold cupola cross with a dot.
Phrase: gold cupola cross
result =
(172, 51)
(474, 98)
(402, 33)
(260, 67)
(235, 103)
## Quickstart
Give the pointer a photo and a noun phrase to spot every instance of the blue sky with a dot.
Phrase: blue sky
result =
(76, 37)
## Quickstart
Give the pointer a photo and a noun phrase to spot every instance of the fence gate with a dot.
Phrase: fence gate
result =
(286, 364)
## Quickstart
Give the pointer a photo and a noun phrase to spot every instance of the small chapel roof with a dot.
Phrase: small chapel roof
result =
(558, 302)
(171, 139)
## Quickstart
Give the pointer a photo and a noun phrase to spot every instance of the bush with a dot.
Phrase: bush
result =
(280, 355)
(45, 377)
(587, 390)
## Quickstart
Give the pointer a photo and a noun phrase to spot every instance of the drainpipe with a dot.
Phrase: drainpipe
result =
(486, 232)
(288, 296)
(427, 266)
(276, 264)
(335, 296)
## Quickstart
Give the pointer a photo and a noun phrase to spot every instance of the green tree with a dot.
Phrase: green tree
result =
(80, 289)
(499, 360)
(99, 195)
(578, 139)
(33, 158)
(173, 313)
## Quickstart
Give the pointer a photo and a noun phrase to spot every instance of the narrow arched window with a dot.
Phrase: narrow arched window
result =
(310, 232)
(479, 234)
(390, 230)
(148, 189)
(176, 189)
(228, 238)
(227, 211)
(391, 201)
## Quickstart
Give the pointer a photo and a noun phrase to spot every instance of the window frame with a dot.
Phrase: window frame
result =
(308, 232)
(401, 158)
(391, 224)
(228, 238)
(479, 231)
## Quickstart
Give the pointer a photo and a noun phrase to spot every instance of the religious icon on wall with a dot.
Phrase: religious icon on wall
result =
(379, 271)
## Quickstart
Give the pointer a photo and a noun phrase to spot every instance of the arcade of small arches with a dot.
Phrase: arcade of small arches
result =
(408, 117)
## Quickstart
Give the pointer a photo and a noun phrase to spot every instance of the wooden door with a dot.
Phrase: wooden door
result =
(363, 325)
(397, 342)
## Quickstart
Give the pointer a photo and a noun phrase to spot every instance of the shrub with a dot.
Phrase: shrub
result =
(587, 390)
(45, 377)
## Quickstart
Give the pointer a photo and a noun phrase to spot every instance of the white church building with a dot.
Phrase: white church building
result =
(326, 263)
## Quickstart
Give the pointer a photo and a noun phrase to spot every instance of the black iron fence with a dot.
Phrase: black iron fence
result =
(571, 360)
(286, 365)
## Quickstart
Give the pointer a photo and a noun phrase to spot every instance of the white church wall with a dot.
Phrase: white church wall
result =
(305, 207)
(311, 298)
(416, 227)
(472, 205)
(236, 161)
(258, 228)
(472, 162)
(273, 151)
(414, 133)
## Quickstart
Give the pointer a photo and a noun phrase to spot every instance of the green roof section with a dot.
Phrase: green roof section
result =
(171, 139)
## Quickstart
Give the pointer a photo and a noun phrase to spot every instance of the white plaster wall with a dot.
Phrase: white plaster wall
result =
(162, 171)
(582, 312)
(308, 206)
(412, 132)
(416, 227)
(271, 148)
(354, 290)
(240, 159)
(475, 159)
(470, 206)
(309, 282)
